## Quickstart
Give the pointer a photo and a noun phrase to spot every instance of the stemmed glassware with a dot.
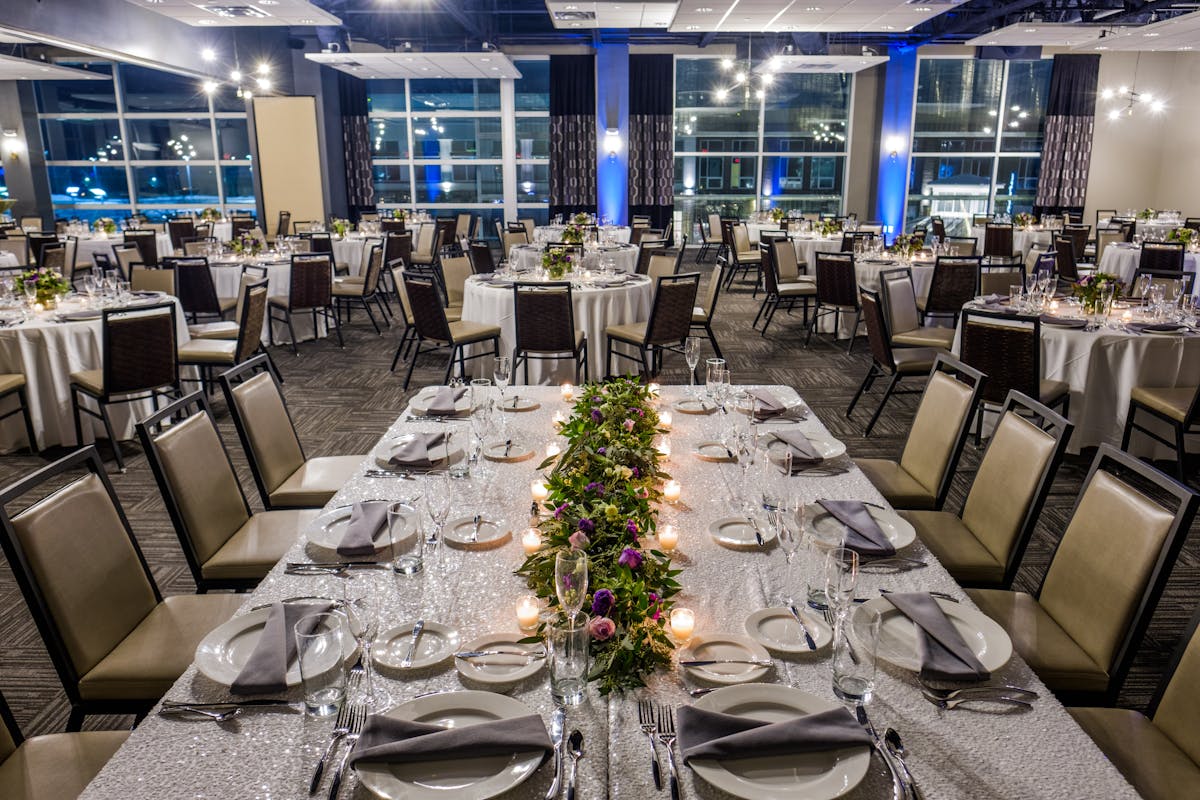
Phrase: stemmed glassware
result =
(691, 354)
(1144, 282)
(360, 602)
(437, 502)
(501, 372)
(789, 531)
(841, 578)
(571, 580)
(747, 451)
(712, 375)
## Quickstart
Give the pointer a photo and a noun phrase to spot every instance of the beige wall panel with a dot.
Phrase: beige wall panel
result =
(289, 160)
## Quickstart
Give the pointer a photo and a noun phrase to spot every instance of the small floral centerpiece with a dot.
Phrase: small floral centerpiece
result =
(573, 233)
(48, 284)
(339, 226)
(246, 245)
(1024, 220)
(1147, 213)
(104, 225)
(906, 245)
(557, 262)
(829, 226)
(581, 218)
(777, 214)
(1184, 235)
(397, 213)
(1090, 289)
(210, 215)
(604, 491)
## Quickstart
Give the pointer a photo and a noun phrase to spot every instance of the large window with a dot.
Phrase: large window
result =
(142, 141)
(737, 152)
(977, 137)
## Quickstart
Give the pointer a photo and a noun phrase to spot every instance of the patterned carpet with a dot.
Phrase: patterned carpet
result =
(342, 400)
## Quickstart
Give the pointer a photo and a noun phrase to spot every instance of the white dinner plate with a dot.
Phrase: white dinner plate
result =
(459, 532)
(737, 532)
(704, 647)
(826, 447)
(713, 451)
(897, 529)
(460, 778)
(898, 635)
(694, 405)
(519, 404)
(807, 776)
(1173, 332)
(385, 451)
(495, 451)
(437, 643)
(776, 629)
(499, 669)
(223, 653)
(327, 530)
(420, 402)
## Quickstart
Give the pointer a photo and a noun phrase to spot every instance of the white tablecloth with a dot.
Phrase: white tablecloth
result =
(1023, 239)
(1040, 753)
(227, 277)
(8, 260)
(350, 250)
(595, 310)
(544, 234)
(623, 257)
(104, 244)
(1122, 260)
(46, 353)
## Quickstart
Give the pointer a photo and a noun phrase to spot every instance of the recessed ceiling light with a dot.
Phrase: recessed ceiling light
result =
(1031, 30)
(574, 24)
(484, 60)
(570, 8)
(691, 27)
(888, 27)
(704, 10)
(206, 22)
(307, 21)
(813, 8)
(268, 2)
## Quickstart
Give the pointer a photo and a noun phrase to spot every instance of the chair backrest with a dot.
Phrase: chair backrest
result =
(938, 225)
(741, 241)
(1161, 257)
(18, 246)
(1036, 251)
(77, 562)
(712, 291)
(980, 219)
(311, 280)
(1192, 223)
(139, 349)
(529, 225)
(37, 241)
(714, 226)
(899, 300)
(663, 262)
(545, 317)
(640, 234)
(1014, 477)
(128, 256)
(837, 283)
(54, 256)
(302, 226)
(998, 239)
(397, 245)
(145, 279)
(671, 314)
(198, 245)
(481, 257)
(770, 271)
(462, 225)
(10, 734)
(252, 315)
(194, 285)
(31, 223)
(940, 427)
(147, 243)
(1078, 234)
(425, 305)
(1103, 240)
(423, 250)
(240, 225)
(396, 270)
(960, 245)
(284, 224)
(1104, 215)
(510, 239)
(1114, 558)
(263, 423)
(1175, 706)
(1005, 347)
(455, 272)
(195, 477)
(180, 229)
(787, 266)
(1064, 258)
(319, 242)
(647, 248)
(392, 225)
(373, 269)
(997, 280)
(446, 226)
(878, 340)
(953, 283)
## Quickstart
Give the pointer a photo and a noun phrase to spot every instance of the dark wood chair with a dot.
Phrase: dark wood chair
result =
(545, 327)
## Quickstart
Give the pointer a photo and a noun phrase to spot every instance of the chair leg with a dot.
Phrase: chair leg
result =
(449, 366)
(813, 325)
(412, 364)
(607, 359)
(292, 333)
(1128, 427)
(271, 364)
(371, 317)
(33, 446)
(854, 331)
(891, 387)
(112, 437)
(78, 417)
(712, 339)
(1180, 447)
(337, 326)
(645, 362)
(867, 380)
(75, 720)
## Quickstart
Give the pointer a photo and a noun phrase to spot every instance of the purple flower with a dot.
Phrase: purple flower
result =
(596, 487)
(586, 525)
(628, 425)
(654, 612)
(558, 511)
(631, 527)
(630, 558)
(602, 602)
(579, 540)
(602, 628)
(596, 415)
(602, 450)
(637, 473)
(638, 411)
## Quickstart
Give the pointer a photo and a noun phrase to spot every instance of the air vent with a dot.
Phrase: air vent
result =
(932, 2)
(233, 12)
(575, 16)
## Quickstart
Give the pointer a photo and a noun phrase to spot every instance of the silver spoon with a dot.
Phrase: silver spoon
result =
(575, 747)
(891, 738)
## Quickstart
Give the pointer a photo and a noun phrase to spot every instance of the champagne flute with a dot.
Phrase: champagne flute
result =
(788, 533)
(691, 354)
(712, 375)
(841, 578)
(500, 373)
(437, 502)
(1143, 286)
(571, 580)
(747, 450)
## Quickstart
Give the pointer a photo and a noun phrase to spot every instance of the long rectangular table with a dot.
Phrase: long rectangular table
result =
(954, 754)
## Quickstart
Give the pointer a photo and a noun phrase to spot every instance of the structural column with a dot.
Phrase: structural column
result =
(612, 131)
(895, 130)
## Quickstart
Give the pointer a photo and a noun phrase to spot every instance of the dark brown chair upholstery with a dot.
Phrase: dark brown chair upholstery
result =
(998, 243)
(391, 225)
(669, 324)
(953, 285)
(1161, 257)
(545, 327)
(434, 331)
(36, 242)
(837, 294)
(482, 261)
(310, 291)
(195, 288)
(180, 230)
(781, 293)
(704, 313)
(147, 243)
(208, 354)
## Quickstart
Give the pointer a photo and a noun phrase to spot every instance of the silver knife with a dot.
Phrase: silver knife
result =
(475, 533)
(467, 654)
(900, 790)
(507, 447)
(557, 732)
(758, 537)
(812, 645)
(412, 645)
(757, 662)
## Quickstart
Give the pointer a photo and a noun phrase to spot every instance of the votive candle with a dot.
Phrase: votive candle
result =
(568, 392)
(683, 623)
(665, 419)
(1053, 306)
(668, 538)
(671, 491)
(528, 612)
(654, 390)
(552, 450)
(560, 419)
(663, 445)
(539, 491)
(531, 540)
(1127, 316)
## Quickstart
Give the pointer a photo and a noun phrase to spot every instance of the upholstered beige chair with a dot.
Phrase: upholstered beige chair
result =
(409, 337)
(455, 272)
(998, 279)
(781, 292)
(509, 240)
(921, 478)
(226, 546)
(709, 238)
(703, 315)
(740, 255)
(116, 643)
(209, 354)
(56, 766)
(285, 477)
(362, 290)
(1176, 406)
(669, 324)
(904, 316)
(984, 546)
(1158, 752)
(145, 279)
(1080, 631)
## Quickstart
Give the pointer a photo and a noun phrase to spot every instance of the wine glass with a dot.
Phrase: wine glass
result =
(501, 371)
(841, 578)
(1144, 283)
(571, 580)
(1176, 291)
(437, 502)
(788, 524)
(360, 603)
(747, 451)
(1031, 282)
(691, 354)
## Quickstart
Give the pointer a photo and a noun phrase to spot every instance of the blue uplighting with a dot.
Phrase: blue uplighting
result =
(896, 121)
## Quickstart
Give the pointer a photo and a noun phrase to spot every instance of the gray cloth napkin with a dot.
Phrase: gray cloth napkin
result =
(415, 453)
(707, 734)
(442, 404)
(395, 741)
(76, 316)
(768, 406)
(366, 521)
(803, 453)
(863, 534)
(1167, 327)
(265, 672)
(944, 654)
(1063, 322)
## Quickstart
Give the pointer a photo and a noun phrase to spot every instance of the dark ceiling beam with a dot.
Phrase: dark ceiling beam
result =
(465, 20)
(973, 23)
(1135, 10)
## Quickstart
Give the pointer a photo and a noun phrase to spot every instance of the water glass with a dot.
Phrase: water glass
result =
(571, 580)
(567, 643)
(841, 578)
(319, 648)
(407, 548)
(854, 657)
(479, 393)
(712, 373)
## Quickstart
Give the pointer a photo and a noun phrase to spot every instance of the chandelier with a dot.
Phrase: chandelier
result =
(1124, 99)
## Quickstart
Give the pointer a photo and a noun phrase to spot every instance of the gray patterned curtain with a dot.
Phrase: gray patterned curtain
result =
(356, 140)
(572, 135)
(651, 137)
(1067, 150)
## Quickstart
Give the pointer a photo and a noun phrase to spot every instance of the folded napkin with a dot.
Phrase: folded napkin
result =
(442, 404)
(366, 522)
(944, 654)
(77, 316)
(1164, 327)
(769, 406)
(707, 734)
(863, 534)
(1063, 322)
(265, 672)
(395, 741)
(415, 452)
(803, 453)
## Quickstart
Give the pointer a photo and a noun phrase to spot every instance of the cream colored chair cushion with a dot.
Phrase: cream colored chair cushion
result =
(963, 556)
(465, 332)
(58, 766)
(1146, 756)
(258, 544)
(208, 351)
(634, 332)
(914, 360)
(1178, 714)
(798, 289)
(1050, 391)
(90, 379)
(269, 430)
(214, 330)
(1174, 403)
(10, 382)
(316, 481)
(348, 288)
(900, 488)
(925, 336)
(151, 658)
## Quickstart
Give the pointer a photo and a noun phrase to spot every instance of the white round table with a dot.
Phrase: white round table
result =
(525, 257)
(89, 244)
(595, 310)
(46, 352)
(227, 277)
(807, 247)
(350, 249)
(1121, 259)
(1023, 239)
(867, 271)
(544, 234)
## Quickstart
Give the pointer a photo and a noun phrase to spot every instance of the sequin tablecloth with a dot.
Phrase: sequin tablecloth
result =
(956, 754)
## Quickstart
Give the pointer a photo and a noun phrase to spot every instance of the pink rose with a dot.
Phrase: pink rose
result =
(579, 540)
(628, 424)
(602, 628)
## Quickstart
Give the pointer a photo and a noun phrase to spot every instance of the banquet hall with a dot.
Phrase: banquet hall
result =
(417, 399)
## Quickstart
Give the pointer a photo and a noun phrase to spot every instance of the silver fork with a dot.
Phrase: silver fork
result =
(666, 735)
(646, 721)
(341, 727)
(946, 705)
(358, 716)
